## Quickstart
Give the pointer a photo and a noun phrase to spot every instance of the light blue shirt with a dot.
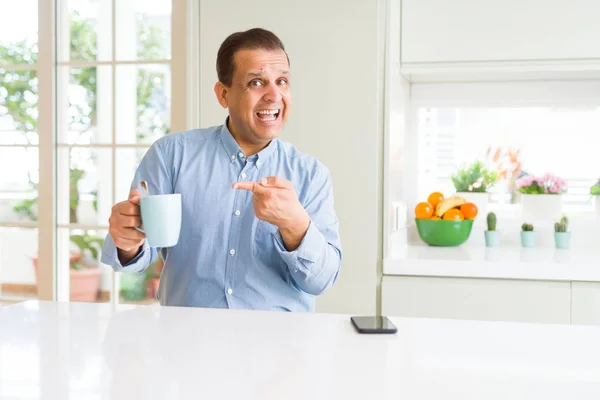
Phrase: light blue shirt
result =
(226, 257)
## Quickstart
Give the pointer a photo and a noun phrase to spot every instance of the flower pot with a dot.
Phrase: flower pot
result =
(480, 199)
(561, 239)
(492, 238)
(74, 257)
(84, 283)
(528, 238)
(535, 207)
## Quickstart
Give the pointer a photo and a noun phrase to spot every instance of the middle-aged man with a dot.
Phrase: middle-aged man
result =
(259, 229)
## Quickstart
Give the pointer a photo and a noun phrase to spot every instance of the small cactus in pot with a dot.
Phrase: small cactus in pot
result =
(527, 235)
(492, 236)
(562, 226)
(527, 227)
(562, 236)
(491, 221)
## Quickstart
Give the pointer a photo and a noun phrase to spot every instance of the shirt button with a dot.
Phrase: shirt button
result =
(241, 154)
(237, 213)
(229, 291)
(232, 251)
(233, 156)
(243, 175)
(258, 163)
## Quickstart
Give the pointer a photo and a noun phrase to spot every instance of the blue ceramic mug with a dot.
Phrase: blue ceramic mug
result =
(161, 219)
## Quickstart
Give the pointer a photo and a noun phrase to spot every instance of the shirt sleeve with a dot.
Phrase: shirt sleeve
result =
(139, 264)
(155, 172)
(316, 263)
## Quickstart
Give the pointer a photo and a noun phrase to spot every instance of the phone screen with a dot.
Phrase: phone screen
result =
(373, 324)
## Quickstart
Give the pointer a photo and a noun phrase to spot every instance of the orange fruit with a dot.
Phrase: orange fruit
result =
(435, 217)
(423, 210)
(435, 198)
(453, 214)
(469, 210)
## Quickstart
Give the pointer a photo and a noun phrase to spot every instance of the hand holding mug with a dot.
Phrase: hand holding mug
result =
(125, 217)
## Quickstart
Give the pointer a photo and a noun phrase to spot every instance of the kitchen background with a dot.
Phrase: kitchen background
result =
(436, 86)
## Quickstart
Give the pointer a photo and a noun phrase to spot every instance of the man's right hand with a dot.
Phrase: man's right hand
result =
(125, 216)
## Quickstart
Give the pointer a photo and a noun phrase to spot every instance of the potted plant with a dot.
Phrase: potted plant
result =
(84, 280)
(84, 271)
(595, 192)
(472, 183)
(133, 287)
(527, 235)
(562, 236)
(492, 236)
(541, 197)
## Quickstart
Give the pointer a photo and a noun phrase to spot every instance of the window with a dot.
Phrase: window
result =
(547, 127)
(19, 149)
(112, 99)
(516, 127)
(512, 141)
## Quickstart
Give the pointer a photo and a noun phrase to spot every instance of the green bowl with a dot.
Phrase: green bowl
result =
(444, 233)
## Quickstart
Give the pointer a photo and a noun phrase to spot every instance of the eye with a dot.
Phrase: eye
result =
(256, 83)
(282, 81)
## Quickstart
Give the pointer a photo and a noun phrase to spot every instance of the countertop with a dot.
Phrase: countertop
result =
(508, 262)
(66, 351)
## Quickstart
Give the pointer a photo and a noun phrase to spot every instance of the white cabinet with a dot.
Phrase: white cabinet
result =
(510, 30)
(585, 306)
(477, 299)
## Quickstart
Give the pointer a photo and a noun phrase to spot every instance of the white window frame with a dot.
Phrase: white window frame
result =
(53, 282)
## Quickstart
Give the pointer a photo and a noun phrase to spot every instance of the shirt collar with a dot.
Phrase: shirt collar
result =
(234, 151)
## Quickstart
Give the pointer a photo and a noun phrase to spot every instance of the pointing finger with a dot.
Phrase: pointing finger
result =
(276, 182)
(250, 186)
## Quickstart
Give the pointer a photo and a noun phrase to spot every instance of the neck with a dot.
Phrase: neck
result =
(249, 149)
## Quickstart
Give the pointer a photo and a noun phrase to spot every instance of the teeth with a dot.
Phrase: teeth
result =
(263, 112)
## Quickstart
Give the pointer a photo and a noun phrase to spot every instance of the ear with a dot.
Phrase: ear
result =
(221, 92)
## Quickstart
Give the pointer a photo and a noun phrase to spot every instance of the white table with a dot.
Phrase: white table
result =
(96, 351)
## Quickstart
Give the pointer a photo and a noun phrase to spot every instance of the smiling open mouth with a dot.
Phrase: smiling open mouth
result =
(268, 115)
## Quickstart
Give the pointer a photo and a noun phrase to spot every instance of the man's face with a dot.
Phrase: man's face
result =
(259, 98)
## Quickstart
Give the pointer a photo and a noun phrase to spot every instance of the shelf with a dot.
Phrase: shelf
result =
(495, 263)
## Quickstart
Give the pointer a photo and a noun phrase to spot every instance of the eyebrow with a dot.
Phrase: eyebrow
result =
(259, 74)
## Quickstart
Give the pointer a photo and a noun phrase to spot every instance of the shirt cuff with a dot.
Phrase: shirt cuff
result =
(309, 249)
(110, 256)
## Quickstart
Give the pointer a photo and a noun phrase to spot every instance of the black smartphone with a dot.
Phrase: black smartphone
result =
(373, 325)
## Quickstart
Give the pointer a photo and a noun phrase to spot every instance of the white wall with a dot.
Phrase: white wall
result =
(335, 52)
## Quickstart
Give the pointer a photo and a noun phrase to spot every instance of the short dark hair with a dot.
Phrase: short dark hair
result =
(256, 38)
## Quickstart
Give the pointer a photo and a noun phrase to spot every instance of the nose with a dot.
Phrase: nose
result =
(273, 94)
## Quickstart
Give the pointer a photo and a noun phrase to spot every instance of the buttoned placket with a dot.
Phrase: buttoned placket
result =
(240, 199)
